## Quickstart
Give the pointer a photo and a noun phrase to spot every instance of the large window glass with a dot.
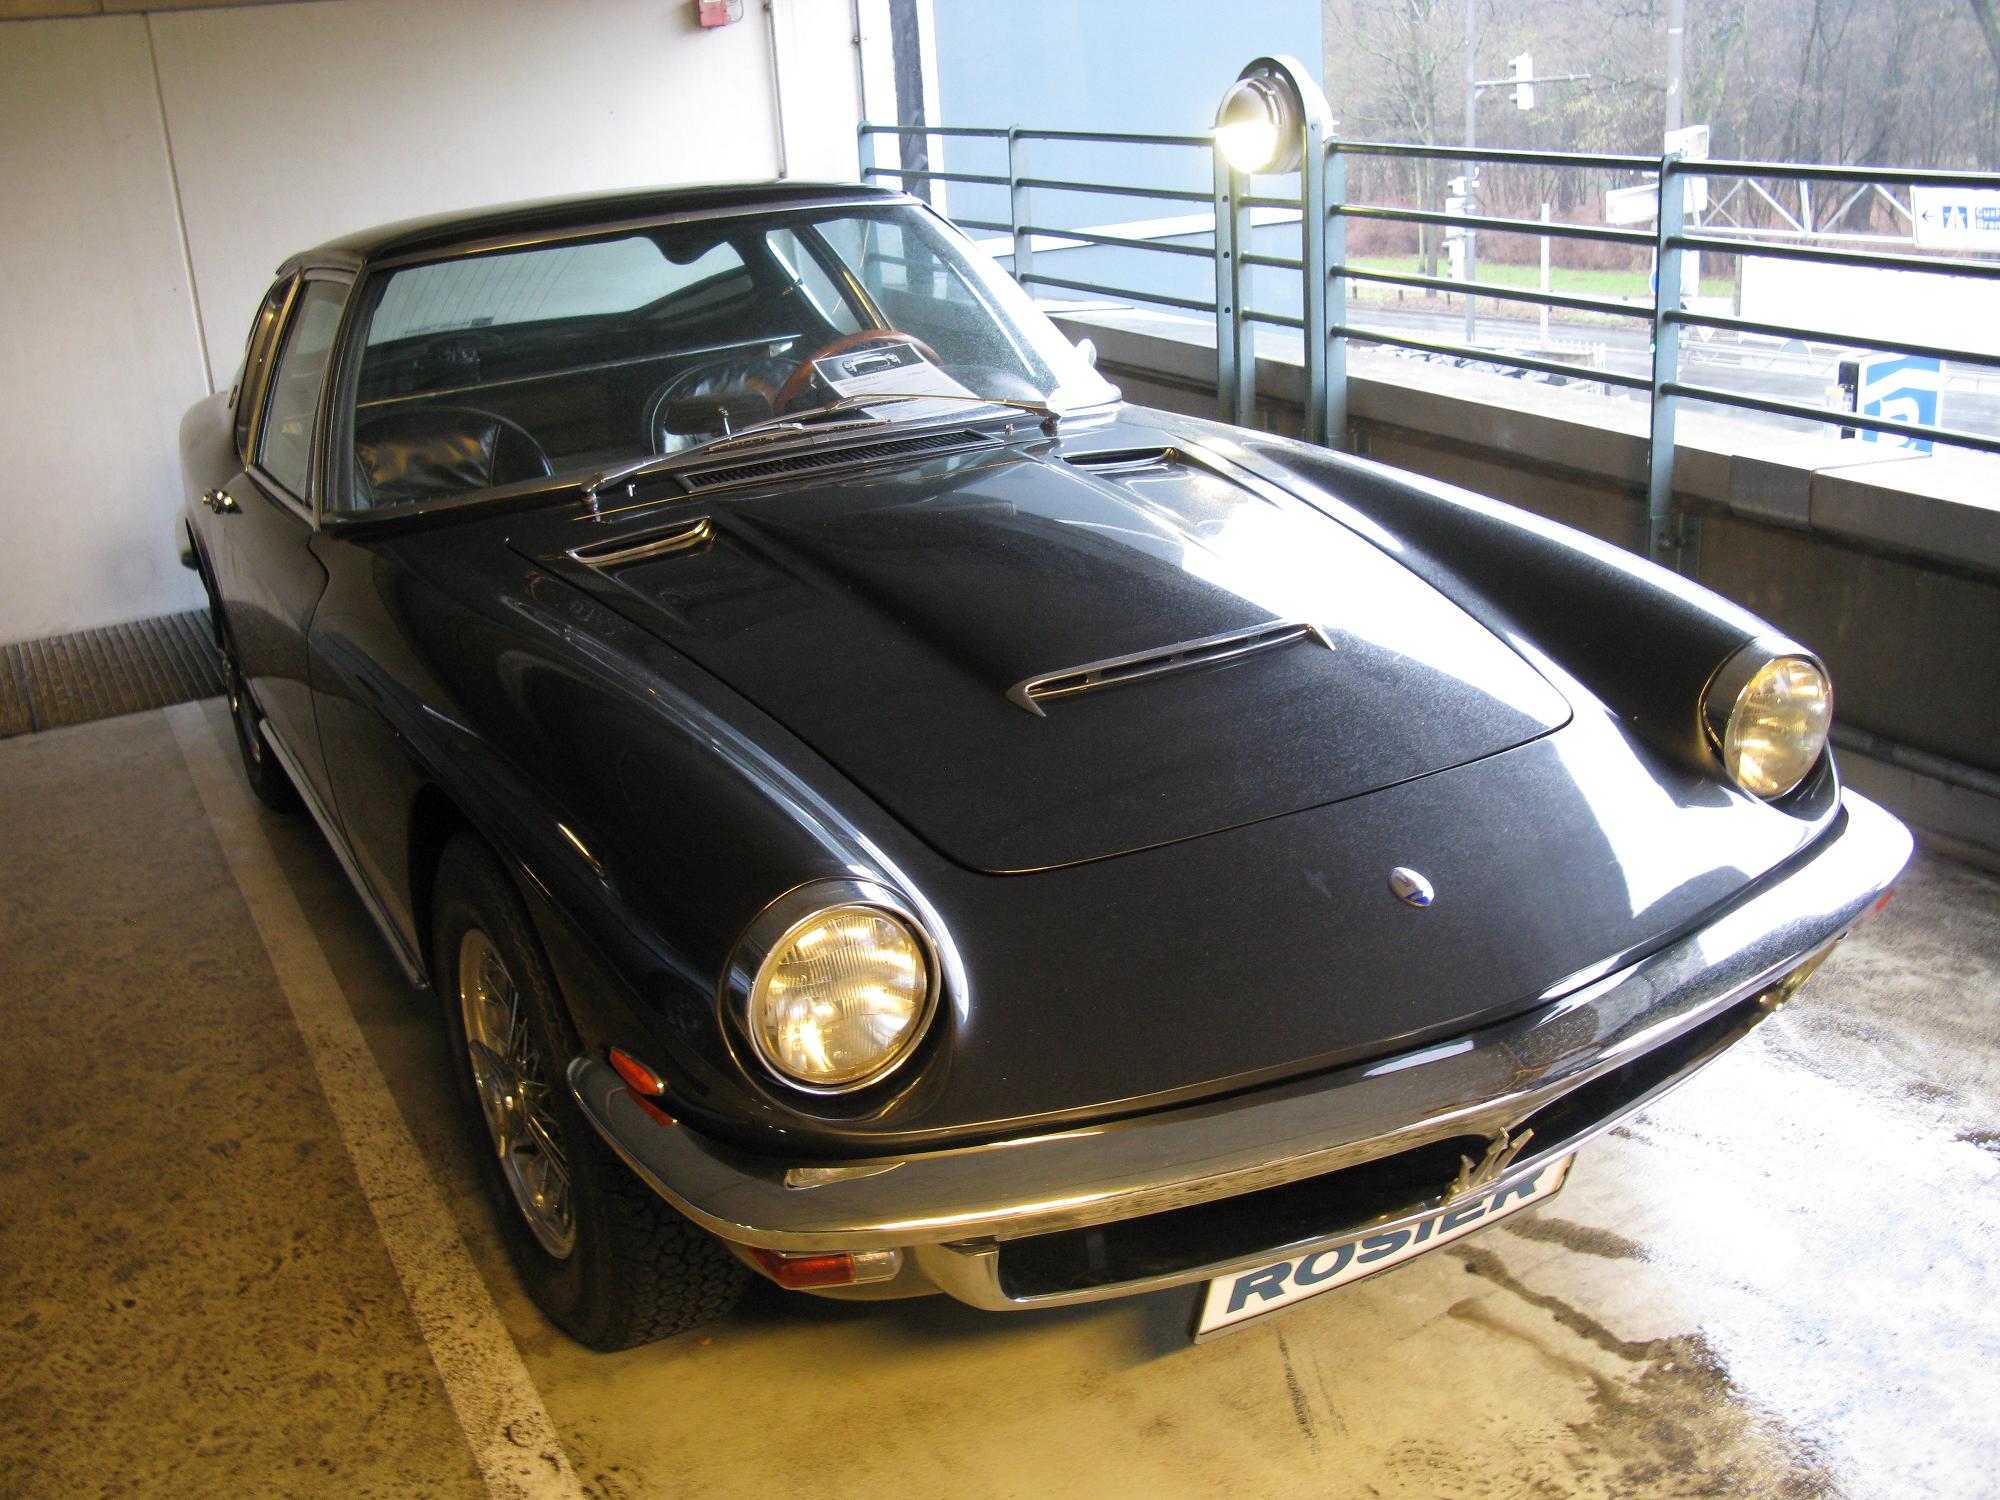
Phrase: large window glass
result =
(494, 370)
(285, 446)
(563, 281)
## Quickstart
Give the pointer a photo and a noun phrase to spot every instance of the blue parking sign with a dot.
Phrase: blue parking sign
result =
(1900, 388)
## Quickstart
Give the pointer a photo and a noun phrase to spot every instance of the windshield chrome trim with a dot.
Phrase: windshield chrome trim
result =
(500, 244)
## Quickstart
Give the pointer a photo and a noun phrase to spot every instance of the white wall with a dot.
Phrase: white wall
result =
(98, 349)
(263, 130)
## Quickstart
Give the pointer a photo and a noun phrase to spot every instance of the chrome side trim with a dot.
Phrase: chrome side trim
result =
(1487, 1083)
(412, 969)
(1113, 671)
(683, 538)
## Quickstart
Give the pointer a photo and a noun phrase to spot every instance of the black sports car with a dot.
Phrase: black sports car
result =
(884, 815)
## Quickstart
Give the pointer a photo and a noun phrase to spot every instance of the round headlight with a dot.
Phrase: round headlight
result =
(1769, 715)
(840, 995)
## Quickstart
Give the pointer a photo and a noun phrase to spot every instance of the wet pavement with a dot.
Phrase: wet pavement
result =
(1780, 1280)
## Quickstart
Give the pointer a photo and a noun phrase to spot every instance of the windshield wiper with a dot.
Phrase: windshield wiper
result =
(772, 429)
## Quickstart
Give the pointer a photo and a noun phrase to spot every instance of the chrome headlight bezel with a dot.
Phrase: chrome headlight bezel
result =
(1723, 699)
(776, 927)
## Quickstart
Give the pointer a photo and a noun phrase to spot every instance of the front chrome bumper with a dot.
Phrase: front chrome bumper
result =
(957, 1209)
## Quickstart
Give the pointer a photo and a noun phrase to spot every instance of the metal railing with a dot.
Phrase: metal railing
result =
(1324, 275)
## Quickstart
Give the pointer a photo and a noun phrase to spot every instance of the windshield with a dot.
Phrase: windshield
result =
(591, 355)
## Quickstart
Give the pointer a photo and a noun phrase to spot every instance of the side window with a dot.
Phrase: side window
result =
(284, 447)
(256, 356)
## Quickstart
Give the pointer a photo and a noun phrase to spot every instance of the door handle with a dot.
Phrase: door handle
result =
(219, 501)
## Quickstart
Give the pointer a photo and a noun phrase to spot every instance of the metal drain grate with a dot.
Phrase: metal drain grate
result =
(100, 674)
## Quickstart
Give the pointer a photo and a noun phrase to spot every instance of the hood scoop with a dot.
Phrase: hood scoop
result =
(1210, 650)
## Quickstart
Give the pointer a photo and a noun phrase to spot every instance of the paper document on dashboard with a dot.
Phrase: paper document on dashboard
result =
(893, 370)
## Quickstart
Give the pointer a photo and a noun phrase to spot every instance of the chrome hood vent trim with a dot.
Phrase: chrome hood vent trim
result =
(685, 537)
(1114, 671)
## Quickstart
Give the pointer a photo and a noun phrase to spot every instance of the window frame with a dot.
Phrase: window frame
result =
(246, 400)
(306, 505)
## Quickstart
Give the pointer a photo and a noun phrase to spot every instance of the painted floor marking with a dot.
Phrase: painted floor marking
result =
(513, 1441)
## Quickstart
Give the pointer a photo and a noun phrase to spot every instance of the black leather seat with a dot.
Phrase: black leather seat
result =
(736, 375)
(419, 453)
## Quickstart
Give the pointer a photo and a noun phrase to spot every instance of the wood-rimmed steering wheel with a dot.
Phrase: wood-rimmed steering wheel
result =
(796, 383)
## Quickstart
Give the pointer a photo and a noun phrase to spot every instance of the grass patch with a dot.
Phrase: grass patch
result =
(1579, 283)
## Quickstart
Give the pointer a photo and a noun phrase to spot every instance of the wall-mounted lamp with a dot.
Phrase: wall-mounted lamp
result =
(1262, 123)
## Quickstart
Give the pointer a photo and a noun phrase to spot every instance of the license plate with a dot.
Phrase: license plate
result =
(1231, 1301)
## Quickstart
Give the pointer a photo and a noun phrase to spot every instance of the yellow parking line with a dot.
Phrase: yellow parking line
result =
(513, 1441)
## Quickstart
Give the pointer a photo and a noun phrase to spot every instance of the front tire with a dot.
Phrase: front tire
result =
(604, 1257)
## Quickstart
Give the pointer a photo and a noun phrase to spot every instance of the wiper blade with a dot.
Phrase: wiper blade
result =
(804, 424)
(768, 430)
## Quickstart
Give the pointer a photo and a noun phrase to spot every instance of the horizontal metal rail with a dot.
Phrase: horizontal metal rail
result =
(1499, 156)
(1063, 185)
(1830, 417)
(1483, 356)
(1492, 289)
(1803, 172)
(1715, 244)
(1124, 242)
(982, 179)
(998, 132)
(1554, 229)
(1324, 274)
(1002, 132)
(1822, 336)
(1116, 137)
(1038, 278)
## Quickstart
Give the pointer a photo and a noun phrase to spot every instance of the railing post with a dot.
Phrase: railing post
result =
(1334, 317)
(1017, 205)
(1235, 364)
(870, 153)
(1312, 257)
(1665, 537)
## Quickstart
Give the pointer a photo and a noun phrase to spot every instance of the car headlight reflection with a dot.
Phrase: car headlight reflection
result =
(840, 993)
(1769, 714)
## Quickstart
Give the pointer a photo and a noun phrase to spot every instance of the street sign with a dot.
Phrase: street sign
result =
(1641, 204)
(1899, 388)
(1956, 218)
(1690, 140)
(1632, 205)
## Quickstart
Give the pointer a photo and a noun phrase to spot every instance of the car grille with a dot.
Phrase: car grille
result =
(1348, 1201)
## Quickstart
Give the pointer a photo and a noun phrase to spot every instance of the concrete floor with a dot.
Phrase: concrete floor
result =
(1779, 1281)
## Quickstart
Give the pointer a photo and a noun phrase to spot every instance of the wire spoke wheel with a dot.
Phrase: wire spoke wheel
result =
(513, 1090)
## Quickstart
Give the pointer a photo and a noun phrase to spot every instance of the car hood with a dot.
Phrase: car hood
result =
(932, 629)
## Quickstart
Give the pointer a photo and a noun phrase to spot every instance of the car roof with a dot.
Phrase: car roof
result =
(549, 216)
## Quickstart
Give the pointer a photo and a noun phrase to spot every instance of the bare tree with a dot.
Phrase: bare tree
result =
(1989, 27)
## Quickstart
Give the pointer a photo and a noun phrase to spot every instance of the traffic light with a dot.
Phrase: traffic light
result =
(1522, 70)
